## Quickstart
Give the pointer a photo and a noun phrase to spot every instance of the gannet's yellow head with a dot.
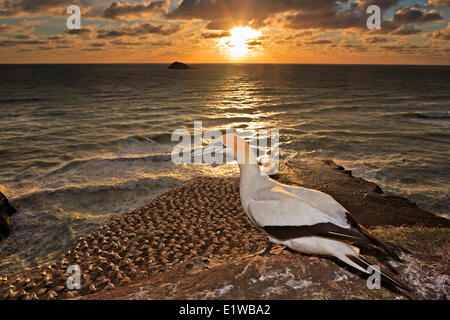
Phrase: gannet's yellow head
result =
(242, 152)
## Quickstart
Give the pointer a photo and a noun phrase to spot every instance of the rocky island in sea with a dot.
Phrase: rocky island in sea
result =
(179, 66)
(190, 243)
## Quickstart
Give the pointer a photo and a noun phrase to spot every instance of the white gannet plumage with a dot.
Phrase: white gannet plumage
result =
(302, 219)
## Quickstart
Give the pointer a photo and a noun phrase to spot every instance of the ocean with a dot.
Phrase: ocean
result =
(81, 143)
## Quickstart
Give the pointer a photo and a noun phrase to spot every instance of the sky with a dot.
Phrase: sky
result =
(224, 31)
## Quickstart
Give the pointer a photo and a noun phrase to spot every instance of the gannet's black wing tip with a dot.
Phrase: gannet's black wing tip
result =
(386, 277)
(325, 230)
(388, 247)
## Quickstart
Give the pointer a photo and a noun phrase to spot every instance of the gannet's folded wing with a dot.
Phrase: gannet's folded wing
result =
(324, 202)
(290, 219)
(287, 212)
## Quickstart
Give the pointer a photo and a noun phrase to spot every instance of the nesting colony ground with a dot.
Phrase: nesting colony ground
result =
(202, 218)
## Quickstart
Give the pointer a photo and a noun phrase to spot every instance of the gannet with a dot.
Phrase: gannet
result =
(302, 219)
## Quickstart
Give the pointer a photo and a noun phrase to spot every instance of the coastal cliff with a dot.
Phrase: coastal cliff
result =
(189, 243)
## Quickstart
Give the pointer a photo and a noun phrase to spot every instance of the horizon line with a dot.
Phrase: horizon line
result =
(235, 63)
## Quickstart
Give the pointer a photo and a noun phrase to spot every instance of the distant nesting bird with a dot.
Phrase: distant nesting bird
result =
(303, 219)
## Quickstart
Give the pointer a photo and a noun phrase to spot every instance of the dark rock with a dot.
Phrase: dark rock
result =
(179, 66)
(6, 210)
(378, 190)
(275, 176)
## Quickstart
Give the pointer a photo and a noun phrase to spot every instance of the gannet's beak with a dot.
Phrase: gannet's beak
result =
(216, 146)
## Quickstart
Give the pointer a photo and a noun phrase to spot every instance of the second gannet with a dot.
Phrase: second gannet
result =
(302, 219)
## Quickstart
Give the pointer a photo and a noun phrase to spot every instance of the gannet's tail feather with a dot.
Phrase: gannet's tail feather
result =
(387, 278)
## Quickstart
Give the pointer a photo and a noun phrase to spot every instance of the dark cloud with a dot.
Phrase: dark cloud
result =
(375, 40)
(216, 35)
(141, 29)
(352, 47)
(9, 8)
(23, 36)
(302, 34)
(406, 31)
(56, 38)
(120, 42)
(414, 15)
(405, 48)
(309, 38)
(221, 24)
(331, 19)
(149, 28)
(443, 34)
(7, 28)
(82, 30)
(17, 42)
(23, 25)
(161, 43)
(110, 34)
(15, 8)
(254, 43)
(36, 6)
(394, 47)
(97, 44)
(390, 27)
(336, 16)
(319, 41)
(43, 48)
(127, 11)
(383, 4)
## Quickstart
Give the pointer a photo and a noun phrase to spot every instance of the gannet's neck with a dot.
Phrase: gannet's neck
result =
(249, 168)
(246, 158)
(249, 172)
(249, 176)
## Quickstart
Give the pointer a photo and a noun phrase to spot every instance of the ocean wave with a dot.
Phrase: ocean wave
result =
(164, 138)
(20, 100)
(439, 119)
(104, 162)
(339, 108)
(433, 115)
(96, 199)
(422, 115)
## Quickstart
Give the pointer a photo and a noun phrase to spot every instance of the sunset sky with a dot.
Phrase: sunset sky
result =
(220, 31)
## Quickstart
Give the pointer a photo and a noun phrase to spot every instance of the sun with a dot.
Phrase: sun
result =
(236, 44)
